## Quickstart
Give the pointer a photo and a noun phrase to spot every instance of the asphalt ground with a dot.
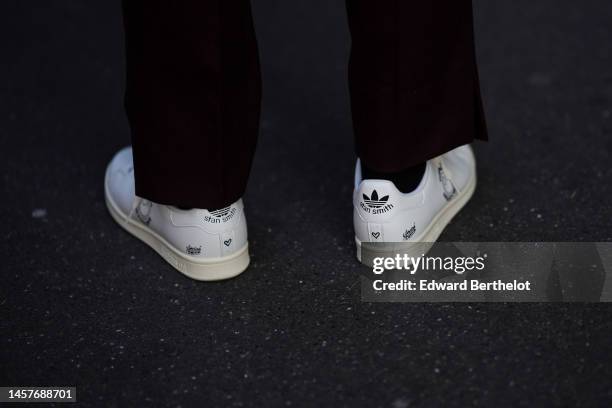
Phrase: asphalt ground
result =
(83, 303)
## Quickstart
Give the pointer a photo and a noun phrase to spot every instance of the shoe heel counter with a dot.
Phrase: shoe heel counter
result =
(375, 205)
(229, 228)
(234, 236)
(217, 233)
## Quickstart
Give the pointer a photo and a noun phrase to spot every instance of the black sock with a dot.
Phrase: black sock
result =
(406, 180)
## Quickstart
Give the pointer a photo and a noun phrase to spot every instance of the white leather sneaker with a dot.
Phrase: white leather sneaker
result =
(201, 244)
(395, 222)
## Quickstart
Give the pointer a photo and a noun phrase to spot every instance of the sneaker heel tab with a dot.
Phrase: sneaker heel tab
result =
(376, 197)
(370, 185)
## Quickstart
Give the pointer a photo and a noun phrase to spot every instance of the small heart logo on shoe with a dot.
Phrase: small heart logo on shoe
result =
(228, 242)
(376, 235)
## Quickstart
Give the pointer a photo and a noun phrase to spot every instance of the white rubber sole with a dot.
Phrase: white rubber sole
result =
(210, 269)
(431, 234)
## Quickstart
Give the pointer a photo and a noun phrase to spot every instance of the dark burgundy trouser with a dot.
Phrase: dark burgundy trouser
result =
(194, 89)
